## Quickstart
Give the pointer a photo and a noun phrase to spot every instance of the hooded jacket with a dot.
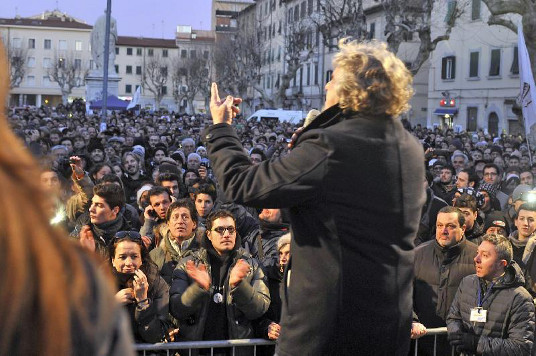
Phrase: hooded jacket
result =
(509, 328)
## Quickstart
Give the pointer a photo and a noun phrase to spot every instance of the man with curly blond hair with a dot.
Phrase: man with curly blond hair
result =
(353, 183)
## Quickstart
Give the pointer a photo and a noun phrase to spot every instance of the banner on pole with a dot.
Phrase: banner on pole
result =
(527, 92)
(136, 99)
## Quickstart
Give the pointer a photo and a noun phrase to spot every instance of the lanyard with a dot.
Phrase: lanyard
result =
(481, 299)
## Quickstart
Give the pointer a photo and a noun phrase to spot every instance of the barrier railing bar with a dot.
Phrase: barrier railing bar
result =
(202, 344)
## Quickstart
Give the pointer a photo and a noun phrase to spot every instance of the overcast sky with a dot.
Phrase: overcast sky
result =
(147, 18)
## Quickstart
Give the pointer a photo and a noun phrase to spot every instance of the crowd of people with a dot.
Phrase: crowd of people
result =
(195, 257)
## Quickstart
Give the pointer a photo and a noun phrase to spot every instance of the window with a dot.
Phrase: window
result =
(117, 50)
(31, 43)
(62, 45)
(290, 14)
(137, 86)
(303, 8)
(514, 68)
(205, 54)
(448, 67)
(164, 90)
(310, 7)
(77, 45)
(138, 70)
(78, 63)
(150, 52)
(475, 10)
(30, 81)
(163, 71)
(451, 12)
(61, 63)
(471, 118)
(164, 53)
(138, 51)
(46, 81)
(316, 74)
(46, 62)
(372, 31)
(47, 44)
(31, 62)
(128, 88)
(129, 51)
(193, 54)
(297, 12)
(117, 68)
(495, 65)
(473, 64)
(308, 74)
(184, 53)
(17, 43)
(128, 70)
(329, 73)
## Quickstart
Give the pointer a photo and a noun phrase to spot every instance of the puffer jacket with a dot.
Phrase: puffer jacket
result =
(189, 303)
(438, 273)
(509, 329)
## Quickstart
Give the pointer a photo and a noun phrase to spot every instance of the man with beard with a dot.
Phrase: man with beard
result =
(445, 187)
(133, 177)
(95, 149)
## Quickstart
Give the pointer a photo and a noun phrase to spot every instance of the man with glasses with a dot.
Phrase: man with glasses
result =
(492, 176)
(219, 289)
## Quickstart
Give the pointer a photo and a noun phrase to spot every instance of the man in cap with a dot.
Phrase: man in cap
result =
(496, 224)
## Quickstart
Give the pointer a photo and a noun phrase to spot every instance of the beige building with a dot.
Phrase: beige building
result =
(477, 72)
(44, 39)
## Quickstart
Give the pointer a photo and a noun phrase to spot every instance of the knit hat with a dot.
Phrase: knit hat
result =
(140, 191)
(95, 144)
(520, 191)
(497, 219)
(491, 189)
(139, 150)
(178, 156)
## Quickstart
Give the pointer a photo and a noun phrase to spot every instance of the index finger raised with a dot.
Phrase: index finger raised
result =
(214, 95)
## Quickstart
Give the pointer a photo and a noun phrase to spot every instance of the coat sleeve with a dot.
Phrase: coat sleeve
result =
(284, 182)
(520, 333)
(454, 318)
(253, 298)
(185, 296)
(152, 322)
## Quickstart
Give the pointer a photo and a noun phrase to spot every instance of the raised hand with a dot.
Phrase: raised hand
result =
(141, 285)
(239, 271)
(199, 274)
(87, 240)
(223, 111)
(125, 296)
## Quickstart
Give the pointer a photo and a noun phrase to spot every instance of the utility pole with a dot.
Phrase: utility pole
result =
(104, 119)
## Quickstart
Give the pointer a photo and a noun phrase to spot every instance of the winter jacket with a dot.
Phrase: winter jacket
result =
(149, 325)
(438, 273)
(189, 303)
(354, 188)
(509, 328)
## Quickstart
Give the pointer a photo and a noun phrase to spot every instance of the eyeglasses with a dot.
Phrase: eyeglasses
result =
(131, 234)
(221, 230)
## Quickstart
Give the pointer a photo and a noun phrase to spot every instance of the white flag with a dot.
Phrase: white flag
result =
(135, 99)
(527, 95)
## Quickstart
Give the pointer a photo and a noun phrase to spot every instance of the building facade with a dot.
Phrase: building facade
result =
(41, 42)
(474, 76)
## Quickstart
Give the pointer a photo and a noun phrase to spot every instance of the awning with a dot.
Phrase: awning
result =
(445, 111)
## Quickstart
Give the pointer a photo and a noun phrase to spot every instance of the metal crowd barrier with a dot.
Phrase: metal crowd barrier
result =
(432, 332)
(192, 345)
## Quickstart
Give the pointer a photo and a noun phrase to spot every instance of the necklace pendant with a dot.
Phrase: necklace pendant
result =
(218, 298)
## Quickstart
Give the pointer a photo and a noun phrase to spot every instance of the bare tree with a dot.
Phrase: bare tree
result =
(17, 59)
(190, 77)
(155, 77)
(500, 15)
(404, 19)
(238, 63)
(69, 72)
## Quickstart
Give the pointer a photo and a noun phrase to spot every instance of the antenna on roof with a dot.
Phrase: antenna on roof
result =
(57, 6)
(16, 11)
(162, 29)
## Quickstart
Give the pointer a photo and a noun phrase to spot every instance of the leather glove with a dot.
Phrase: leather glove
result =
(464, 341)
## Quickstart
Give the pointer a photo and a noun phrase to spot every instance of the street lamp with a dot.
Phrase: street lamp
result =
(106, 57)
